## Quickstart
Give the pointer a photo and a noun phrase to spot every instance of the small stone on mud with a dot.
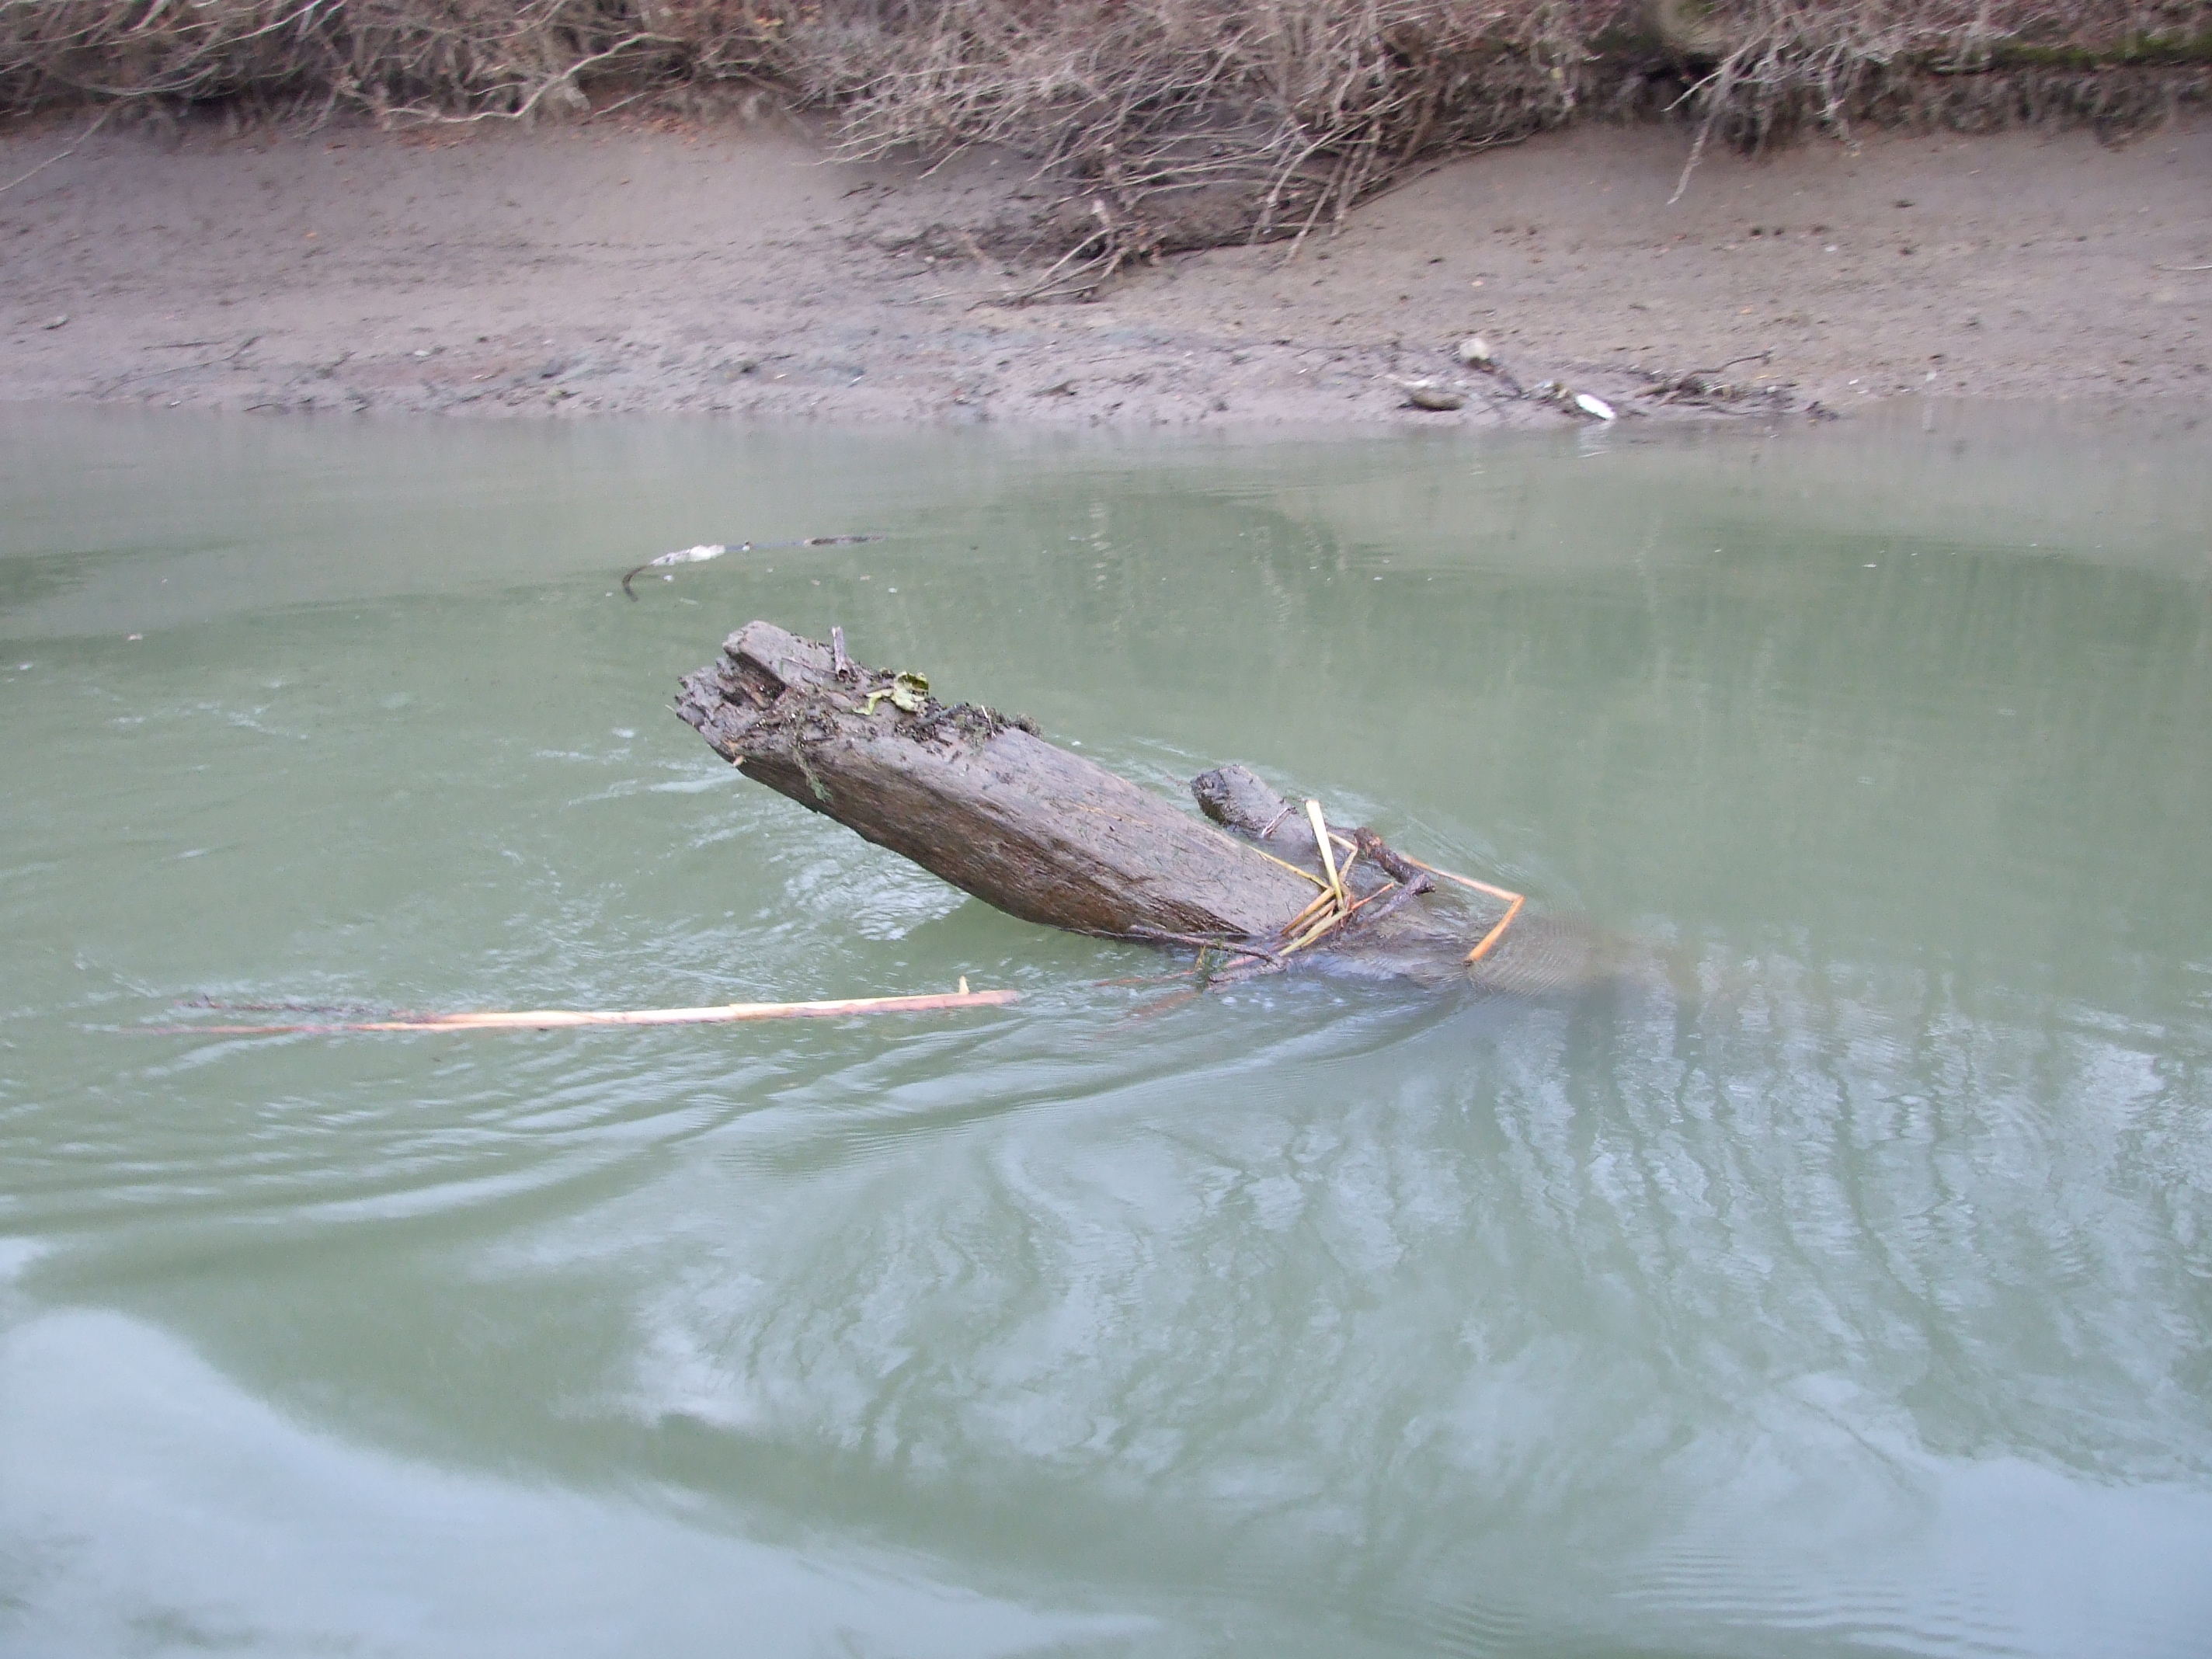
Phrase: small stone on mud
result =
(55, 322)
(1422, 395)
(1474, 351)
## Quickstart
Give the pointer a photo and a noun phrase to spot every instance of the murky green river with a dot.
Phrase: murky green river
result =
(1846, 1286)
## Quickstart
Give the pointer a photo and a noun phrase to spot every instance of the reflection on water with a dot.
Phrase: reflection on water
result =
(468, 1565)
(1840, 1287)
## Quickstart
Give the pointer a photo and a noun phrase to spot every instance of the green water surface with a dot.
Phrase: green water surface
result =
(1844, 1286)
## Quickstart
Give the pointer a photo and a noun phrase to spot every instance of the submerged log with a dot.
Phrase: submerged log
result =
(980, 799)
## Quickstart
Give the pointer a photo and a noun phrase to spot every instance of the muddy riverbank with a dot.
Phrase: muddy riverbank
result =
(736, 268)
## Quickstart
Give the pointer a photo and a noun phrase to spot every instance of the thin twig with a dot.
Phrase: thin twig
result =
(1498, 933)
(542, 1020)
(1200, 942)
(97, 121)
(1697, 154)
(521, 112)
(1748, 358)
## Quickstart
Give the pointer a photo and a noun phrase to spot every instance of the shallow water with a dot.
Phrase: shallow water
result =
(1844, 1286)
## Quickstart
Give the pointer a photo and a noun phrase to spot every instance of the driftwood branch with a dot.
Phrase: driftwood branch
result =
(980, 798)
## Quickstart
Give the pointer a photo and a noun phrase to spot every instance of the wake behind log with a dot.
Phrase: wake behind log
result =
(980, 799)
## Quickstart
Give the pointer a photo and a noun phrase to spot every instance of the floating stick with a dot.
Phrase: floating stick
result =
(545, 1019)
(706, 550)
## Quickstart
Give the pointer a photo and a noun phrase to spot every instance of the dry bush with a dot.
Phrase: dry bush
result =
(1181, 122)
(434, 59)
(1178, 122)
(1168, 123)
(1772, 66)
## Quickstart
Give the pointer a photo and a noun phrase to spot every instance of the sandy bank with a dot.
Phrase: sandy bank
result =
(734, 269)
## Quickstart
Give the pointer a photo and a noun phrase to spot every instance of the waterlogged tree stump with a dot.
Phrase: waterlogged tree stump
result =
(980, 799)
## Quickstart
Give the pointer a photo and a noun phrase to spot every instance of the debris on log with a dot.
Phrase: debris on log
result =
(980, 798)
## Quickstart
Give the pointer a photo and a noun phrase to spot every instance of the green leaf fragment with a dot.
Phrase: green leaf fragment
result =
(907, 692)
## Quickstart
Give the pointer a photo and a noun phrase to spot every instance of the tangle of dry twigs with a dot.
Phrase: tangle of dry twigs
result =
(1160, 124)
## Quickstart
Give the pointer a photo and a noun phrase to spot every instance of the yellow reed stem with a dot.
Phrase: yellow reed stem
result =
(1514, 901)
(1466, 881)
(1321, 840)
(1303, 875)
(1496, 934)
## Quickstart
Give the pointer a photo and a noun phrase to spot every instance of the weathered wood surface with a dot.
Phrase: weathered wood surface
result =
(983, 801)
(979, 799)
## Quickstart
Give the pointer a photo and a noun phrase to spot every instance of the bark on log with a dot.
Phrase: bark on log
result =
(980, 799)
